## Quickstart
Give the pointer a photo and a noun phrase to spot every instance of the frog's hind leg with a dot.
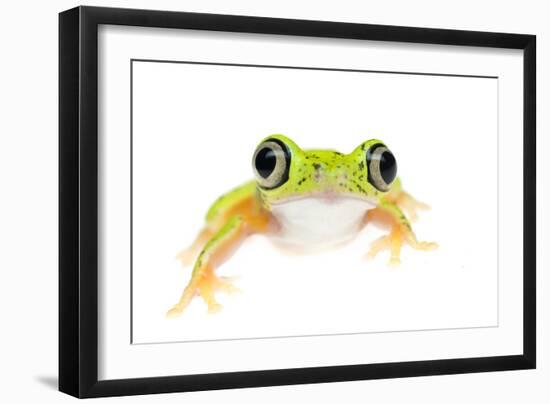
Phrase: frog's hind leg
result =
(410, 205)
(203, 279)
(405, 201)
(401, 232)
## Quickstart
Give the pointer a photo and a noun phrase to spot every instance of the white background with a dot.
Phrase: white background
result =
(29, 205)
(195, 128)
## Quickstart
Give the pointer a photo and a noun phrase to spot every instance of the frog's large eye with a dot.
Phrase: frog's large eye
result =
(382, 167)
(271, 163)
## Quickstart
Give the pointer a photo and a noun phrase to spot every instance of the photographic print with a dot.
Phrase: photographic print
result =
(283, 182)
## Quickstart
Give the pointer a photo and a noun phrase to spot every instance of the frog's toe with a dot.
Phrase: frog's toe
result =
(214, 308)
(225, 284)
(206, 286)
(411, 206)
(394, 262)
(424, 245)
(188, 293)
(392, 242)
(174, 312)
(377, 246)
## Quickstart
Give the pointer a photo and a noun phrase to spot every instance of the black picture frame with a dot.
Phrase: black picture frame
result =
(78, 201)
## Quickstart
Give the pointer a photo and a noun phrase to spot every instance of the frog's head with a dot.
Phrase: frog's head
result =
(285, 172)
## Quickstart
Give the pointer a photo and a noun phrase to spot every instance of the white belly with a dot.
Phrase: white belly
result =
(318, 223)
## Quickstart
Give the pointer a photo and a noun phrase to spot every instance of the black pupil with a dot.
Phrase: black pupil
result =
(265, 162)
(388, 167)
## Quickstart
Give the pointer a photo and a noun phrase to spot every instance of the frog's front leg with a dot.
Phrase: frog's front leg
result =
(401, 232)
(187, 255)
(227, 227)
(203, 279)
(237, 201)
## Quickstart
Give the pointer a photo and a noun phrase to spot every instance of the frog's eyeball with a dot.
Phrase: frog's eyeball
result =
(382, 167)
(271, 163)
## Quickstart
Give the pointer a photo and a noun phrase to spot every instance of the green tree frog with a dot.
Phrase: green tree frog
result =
(304, 199)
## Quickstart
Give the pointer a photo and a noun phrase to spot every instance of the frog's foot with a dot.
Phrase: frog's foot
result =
(410, 205)
(205, 286)
(394, 242)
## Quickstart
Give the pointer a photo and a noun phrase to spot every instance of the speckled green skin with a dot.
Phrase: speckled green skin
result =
(312, 172)
(324, 172)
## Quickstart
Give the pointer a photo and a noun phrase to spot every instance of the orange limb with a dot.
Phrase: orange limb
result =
(188, 255)
(243, 219)
(410, 205)
(389, 214)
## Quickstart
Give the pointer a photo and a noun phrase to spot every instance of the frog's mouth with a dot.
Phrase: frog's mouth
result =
(327, 197)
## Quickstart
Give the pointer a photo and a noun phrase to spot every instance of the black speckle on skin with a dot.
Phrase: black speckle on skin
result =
(338, 153)
(361, 165)
(359, 187)
(317, 166)
(307, 157)
(302, 181)
(363, 147)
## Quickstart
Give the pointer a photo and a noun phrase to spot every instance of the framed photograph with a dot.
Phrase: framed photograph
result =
(250, 201)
